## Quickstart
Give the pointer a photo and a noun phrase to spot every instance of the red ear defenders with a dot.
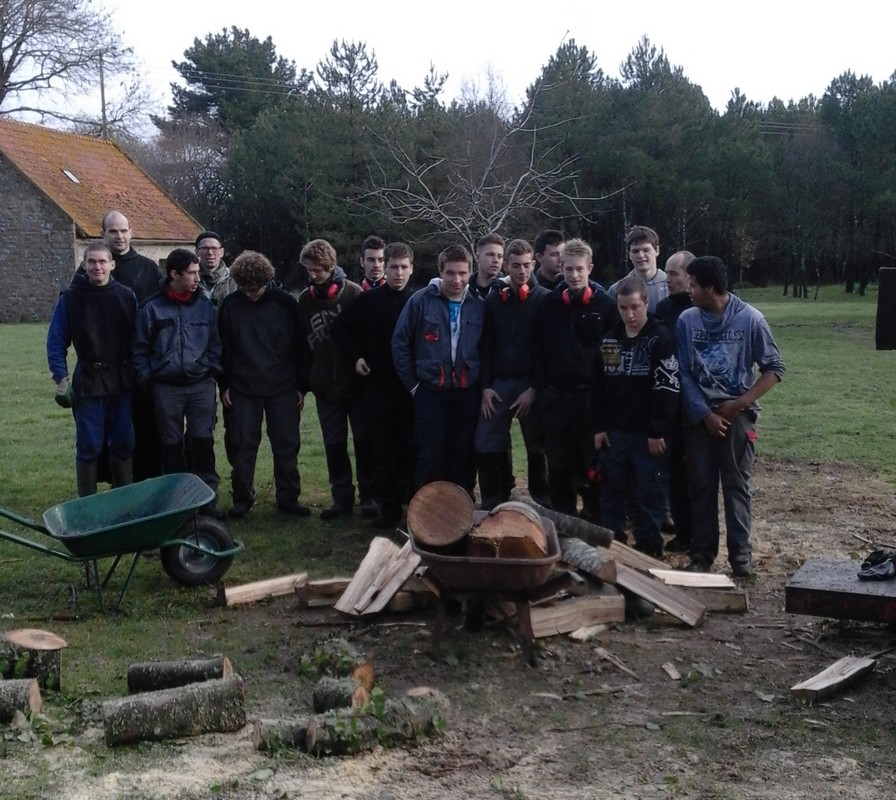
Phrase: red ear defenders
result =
(366, 285)
(325, 291)
(585, 298)
(523, 293)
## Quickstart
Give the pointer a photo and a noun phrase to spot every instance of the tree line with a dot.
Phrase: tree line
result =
(273, 155)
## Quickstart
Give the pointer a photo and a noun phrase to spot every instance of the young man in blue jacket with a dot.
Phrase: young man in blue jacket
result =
(177, 355)
(721, 342)
(435, 348)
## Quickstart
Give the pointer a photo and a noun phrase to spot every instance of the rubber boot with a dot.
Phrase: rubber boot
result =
(85, 475)
(122, 472)
(491, 469)
(538, 478)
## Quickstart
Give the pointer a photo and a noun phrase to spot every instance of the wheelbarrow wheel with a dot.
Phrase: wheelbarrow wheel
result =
(190, 567)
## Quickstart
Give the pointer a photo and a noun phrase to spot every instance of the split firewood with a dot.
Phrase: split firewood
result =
(569, 615)
(261, 590)
(729, 601)
(594, 561)
(35, 653)
(346, 731)
(634, 558)
(332, 693)
(215, 705)
(21, 694)
(568, 525)
(390, 579)
(839, 675)
(702, 580)
(154, 675)
(381, 553)
(671, 600)
(322, 592)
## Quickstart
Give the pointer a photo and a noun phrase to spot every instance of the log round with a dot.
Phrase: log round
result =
(154, 675)
(440, 514)
(510, 530)
(19, 695)
(216, 705)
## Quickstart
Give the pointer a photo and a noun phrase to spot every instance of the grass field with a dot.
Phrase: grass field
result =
(838, 402)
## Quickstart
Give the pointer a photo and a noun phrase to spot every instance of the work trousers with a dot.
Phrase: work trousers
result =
(444, 429)
(730, 458)
(629, 470)
(335, 419)
(569, 446)
(103, 421)
(281, 415)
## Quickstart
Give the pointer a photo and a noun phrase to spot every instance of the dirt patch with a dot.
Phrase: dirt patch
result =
(727, 729)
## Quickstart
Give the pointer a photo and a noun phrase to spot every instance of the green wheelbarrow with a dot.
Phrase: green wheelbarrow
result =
(156, 513)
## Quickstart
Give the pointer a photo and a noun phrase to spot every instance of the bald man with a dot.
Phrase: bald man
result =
(140, 274)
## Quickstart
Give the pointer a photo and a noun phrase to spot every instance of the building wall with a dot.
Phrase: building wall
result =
(37, 249)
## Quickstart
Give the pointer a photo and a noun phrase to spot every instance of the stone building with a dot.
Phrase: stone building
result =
(55, 188)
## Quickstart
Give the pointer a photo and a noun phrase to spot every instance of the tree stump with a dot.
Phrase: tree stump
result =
(34, 653)
(215, 705)
(154, 675)
(19, 695)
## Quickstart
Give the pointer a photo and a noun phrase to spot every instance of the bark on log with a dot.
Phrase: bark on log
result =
(567, 525)
(154, 675)
(215, 705)
(332, 693)
(19, 695)
(588, 559)
(34, 653)
(345, 731)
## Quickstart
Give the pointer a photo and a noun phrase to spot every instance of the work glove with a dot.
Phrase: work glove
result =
(64, 393)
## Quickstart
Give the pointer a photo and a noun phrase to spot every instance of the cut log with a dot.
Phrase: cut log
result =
(346, 731)
(332, 693)
(403, 720)
(586, 558)
(568, 525)
(671, 600)
(262, 590)
(35, 653)
(272, 735)
(575, 613)
(510, 530)
(154, 675)
(730, 601)
(19, 695)
(682, 579)
(839, 675)
(215, 705)
(440, 514)
(635, 558)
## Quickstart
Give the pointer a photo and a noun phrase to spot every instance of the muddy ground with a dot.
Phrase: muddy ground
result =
(574, 726)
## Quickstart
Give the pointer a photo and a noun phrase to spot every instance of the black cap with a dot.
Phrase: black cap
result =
(209, 235)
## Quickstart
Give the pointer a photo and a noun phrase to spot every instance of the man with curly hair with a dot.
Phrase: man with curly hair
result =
(261, 335)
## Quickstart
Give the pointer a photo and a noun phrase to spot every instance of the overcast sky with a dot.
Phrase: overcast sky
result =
(765, 48)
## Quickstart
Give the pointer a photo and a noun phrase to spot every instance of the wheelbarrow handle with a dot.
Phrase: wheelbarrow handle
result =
(24, 521)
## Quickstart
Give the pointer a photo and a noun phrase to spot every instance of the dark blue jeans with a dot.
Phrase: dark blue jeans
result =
(729, 458)
(103, 421)
(630, 470)
(444, 428)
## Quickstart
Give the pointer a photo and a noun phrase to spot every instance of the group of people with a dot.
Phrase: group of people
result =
(631, 401)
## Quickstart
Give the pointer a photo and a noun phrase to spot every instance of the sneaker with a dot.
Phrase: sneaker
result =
(697, 566)
(294, 509)
(335, 511)
(239, 510)
(742, 569)
(678, 544)
(369, 509)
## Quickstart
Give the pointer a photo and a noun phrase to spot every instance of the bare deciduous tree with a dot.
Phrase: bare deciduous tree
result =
(52, 51)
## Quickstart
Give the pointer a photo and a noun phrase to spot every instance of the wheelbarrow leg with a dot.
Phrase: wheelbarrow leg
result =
(98, 585)
(127, 581)
(524, 621)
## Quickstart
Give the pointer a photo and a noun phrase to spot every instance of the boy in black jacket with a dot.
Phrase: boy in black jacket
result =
(261, 337)
(634, 404)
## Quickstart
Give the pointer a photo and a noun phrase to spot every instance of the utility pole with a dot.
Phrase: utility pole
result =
(104, 129)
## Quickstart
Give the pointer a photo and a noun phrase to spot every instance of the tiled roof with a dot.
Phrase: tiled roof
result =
(107, 179)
